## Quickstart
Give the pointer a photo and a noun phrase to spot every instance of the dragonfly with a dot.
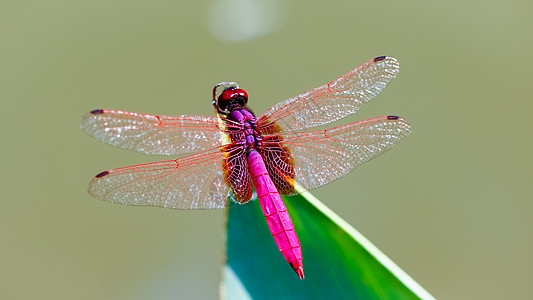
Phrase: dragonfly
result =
(237, 152)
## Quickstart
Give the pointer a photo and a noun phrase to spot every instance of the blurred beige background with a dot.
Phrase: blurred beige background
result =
(451, 204)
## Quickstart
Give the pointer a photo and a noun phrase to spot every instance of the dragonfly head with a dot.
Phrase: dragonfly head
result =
(232, 98)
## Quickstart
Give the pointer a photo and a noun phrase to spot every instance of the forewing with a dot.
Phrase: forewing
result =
(149, 134)
(322, 156)
(192, 182)
(332, 101)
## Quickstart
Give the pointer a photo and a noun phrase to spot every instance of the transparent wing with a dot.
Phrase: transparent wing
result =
(332, 101)
(148, 134)
(279, 163)
(192, 182)
(319, 157)
(237, 174)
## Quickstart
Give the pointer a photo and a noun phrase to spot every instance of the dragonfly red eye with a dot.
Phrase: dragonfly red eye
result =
(240, 92)
(232, 93)
(232, 98)
(226, 95)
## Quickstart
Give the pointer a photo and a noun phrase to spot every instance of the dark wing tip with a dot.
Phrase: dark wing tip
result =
(104, 173)
(393, 117)
(379, 58)
(97, 111)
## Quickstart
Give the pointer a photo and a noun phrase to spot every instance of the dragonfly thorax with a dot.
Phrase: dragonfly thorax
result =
(246, 131)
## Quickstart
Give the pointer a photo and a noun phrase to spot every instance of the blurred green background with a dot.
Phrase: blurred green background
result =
(451, 204)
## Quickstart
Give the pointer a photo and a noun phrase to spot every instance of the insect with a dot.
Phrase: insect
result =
(237, 151)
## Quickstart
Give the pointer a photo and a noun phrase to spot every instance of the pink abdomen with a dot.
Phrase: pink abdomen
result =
(275, 212)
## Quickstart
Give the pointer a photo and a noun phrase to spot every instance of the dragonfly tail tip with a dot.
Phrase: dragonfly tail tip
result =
(300, 273)
(298, 267)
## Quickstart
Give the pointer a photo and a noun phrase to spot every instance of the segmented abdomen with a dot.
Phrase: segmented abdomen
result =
(275, 212)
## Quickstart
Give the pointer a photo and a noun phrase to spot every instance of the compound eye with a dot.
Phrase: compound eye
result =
(241, 96)
(232, 98)
(225, 98)
(240, 92)
(226, 95)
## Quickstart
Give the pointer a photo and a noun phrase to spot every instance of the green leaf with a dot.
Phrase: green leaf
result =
(339, 262)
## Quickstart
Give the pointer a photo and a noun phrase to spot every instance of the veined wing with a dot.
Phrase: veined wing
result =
(192, 182)
(149, 134)
(237, 174)
(332, 101)
(321, 156)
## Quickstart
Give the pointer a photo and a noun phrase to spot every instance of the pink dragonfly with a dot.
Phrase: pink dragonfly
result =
(238, 152)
